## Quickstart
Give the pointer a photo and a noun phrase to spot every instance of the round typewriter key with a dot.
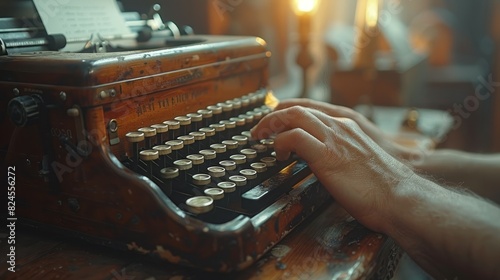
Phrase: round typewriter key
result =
(238, 158)
(248, 118)
(226, 107)
(169, 173)
(247, 133)
(257, 115)
(205, 114)
(148, 155)
(209, 132)
(230, 144)
(229, 124)
(195, 117)
(214, 193)
(163, 150)
(269, 161)
(218, 148)
(228, 164)
(186, 139)
(236, 103)
(160, 128)
(183, 120)
(216, 171)
(238, 180)
(215, 109)
(200, 204)
(239, 121)
(135, 136)
(208, 154)
(172, 124)
(228, 187)
(242, 140)
(245, 101)
(148, 131)
(269, 143)
(259, 148)
(198, 135)
(183, 164)
(219, 127)
(175, 144)
(201, 179)
(259, 167)
(249, 153)
(249, 173)
(196, 159)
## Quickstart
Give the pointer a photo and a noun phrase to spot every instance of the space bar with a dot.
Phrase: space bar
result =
(282, 181)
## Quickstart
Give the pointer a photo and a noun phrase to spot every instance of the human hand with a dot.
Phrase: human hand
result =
(384, 140)
(359, 174)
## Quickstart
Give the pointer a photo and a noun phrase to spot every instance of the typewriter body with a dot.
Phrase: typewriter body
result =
(148, 150)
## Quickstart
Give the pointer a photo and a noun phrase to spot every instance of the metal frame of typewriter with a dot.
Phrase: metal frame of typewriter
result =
(69, 148)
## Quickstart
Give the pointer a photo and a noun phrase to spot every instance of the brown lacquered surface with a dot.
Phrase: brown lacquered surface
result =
(328, 246)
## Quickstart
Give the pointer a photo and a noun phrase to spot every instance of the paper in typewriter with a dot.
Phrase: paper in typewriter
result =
(78, 20)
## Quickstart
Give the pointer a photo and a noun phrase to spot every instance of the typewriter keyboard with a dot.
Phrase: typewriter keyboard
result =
(208, 165)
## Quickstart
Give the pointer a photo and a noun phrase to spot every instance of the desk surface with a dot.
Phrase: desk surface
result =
(329, 245)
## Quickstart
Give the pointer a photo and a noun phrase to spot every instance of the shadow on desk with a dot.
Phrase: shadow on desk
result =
(330, 245)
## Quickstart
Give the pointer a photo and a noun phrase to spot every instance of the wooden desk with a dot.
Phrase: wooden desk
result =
(330, 245)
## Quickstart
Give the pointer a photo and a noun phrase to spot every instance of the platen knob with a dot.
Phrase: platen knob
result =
(24, 110)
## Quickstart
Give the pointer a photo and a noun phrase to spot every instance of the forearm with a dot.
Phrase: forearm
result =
(449, 234)
(476, 172)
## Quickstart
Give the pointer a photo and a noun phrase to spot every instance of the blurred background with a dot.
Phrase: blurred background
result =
(429, 54)
(437, 54)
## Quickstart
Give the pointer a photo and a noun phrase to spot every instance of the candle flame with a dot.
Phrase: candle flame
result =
(304, 6)
(372, 13)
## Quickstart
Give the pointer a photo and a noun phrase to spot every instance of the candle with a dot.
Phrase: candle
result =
(367, 13)
(304, 6)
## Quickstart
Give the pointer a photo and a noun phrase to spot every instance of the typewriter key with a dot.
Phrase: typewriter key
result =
(230, 144)
(216, 171)
(163, 151)
(214, 193)
(228, 187)
(242, 140)
(269, 161)
(208, 154)
(249, 153)
(197, 161)
(198, 138)
(200, 204)
(249, 173)
(135, 137)
(269, 143)
(173, 129)
(185, 123)
(247, 133)
(196, 120)
(228, 164)
(161, 130)
(238, 158)
(218, 148)
(260, 167)
(219, 131)
(149, 133)
(238, 180)
(201, 179)
(183, 164)
(169, 173)
(216, 112)
(148, 156)
(176, 146)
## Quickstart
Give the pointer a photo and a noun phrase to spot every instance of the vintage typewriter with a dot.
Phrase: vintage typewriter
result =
(148, 149)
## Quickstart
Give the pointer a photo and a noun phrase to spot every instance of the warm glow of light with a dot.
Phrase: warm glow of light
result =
(371, 13)
(304, 6)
